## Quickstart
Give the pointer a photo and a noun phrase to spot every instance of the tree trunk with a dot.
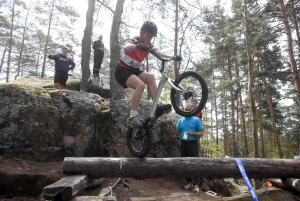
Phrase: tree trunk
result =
(97, 167)
(296, 24)
(115, 49)
(250, 84)
(238, 134)
(211, 117)
(47, 40)
(86, 45)
(243, 124)
(22, 45)
(290, 47)
(216, 113)
(38, 60)
(261, 131)
(10, 42)
(233, 135)
(3, 56)
(271, 112)
(176, 69)
(225, 128)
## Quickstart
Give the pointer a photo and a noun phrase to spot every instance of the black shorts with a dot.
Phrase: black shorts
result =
(122, 74)
(189, 148)
(61, 77)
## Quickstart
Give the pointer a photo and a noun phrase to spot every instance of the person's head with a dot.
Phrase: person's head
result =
(100, 37)
(64, 51)
(194, 103)
(188, 108)
(148, 31)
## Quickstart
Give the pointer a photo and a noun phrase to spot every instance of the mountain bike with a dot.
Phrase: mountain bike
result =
(187, 87)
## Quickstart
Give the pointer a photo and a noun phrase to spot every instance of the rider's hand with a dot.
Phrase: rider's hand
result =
(143, 47)
(177, 58)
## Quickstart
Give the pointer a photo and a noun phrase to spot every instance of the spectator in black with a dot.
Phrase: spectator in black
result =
(98, 47)
(62, 66)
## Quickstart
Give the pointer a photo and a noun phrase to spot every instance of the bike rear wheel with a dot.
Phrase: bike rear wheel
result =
(193, 87)
(139, 140)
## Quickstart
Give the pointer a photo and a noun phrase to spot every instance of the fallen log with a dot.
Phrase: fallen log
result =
(277, 182)
(293, 183)
(94, 198)
(185, 167)
(288, 183)
(69, 186)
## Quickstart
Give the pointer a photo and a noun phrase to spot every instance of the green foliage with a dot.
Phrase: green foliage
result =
(3, 22)
(209, 147)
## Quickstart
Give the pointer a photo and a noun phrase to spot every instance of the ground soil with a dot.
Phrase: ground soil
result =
(167, 189)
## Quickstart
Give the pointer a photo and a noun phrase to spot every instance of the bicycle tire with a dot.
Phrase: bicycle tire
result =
(194, 88)
(139, 140)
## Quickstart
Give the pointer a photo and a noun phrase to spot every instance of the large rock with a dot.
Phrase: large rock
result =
(35, 121)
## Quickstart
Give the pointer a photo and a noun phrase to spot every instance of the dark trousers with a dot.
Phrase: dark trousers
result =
(98, 58)
(191, 149)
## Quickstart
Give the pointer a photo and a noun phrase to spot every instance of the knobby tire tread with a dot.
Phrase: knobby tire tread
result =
(148, 133)
(204, 94)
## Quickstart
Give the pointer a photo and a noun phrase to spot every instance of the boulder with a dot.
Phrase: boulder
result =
(36, 122)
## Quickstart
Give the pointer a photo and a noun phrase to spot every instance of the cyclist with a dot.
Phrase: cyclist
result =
(129, 74)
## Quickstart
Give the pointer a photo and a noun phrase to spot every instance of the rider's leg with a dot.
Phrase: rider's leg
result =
(61, 86)
(138, 85)
(152, 87)
(150, 81)
(56, 86)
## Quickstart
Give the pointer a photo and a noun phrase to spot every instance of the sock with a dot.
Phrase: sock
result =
(133, 113)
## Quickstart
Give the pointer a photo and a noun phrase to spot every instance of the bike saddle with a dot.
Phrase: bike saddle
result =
(162, 109)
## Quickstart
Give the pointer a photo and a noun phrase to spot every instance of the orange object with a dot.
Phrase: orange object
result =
(62, 94)
(99, 105)
(268, 184)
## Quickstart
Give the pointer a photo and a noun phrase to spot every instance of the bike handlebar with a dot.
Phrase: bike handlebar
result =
(162, 69)
(161, 58)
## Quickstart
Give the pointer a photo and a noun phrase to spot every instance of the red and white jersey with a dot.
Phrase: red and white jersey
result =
(135, 58)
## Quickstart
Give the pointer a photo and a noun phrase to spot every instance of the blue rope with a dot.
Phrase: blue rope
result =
(245, 177)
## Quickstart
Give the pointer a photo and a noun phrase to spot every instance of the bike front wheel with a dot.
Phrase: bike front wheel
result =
(193, 87)
(139, 140)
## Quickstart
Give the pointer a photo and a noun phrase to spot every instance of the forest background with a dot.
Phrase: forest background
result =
(247, 51)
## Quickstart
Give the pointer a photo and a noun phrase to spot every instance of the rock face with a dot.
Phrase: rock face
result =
(36, 122)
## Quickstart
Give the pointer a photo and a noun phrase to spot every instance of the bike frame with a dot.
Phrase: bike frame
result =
(165, 77)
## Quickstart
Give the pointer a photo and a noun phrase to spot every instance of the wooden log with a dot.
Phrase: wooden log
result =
(69, 186)
(94, 198)
(277, 182)
(183, 167)
(287, 183)
(293, 183)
